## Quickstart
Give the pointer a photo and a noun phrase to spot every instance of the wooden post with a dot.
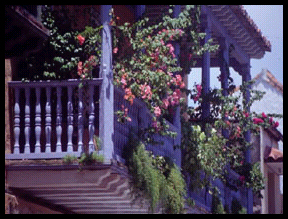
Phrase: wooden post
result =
(224, 69)
(140, 9)
(177, 119)
(246, 76)
(106, 120)
(205, 27)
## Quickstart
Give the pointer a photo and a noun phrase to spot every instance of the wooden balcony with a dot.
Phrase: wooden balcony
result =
(51, 119)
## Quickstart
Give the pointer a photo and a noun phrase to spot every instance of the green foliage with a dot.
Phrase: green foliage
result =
(69, 159)
(157, 179)
(146, 63)
(89, 159)
(61, 52)
(217, 206)
(221, 143)
(236, 207)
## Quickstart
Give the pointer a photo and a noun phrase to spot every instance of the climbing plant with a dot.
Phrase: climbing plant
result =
(147, 66)
(220, 143)
(156, 179)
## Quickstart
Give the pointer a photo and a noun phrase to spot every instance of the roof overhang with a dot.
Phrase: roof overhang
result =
(273, 158)
(23, 33)
(241, 28)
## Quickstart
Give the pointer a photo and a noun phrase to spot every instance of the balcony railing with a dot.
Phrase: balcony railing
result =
(53, 118)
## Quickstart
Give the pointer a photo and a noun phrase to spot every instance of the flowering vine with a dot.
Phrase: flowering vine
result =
(147, 66)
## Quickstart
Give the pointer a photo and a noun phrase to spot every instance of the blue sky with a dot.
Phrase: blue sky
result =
(269, 19)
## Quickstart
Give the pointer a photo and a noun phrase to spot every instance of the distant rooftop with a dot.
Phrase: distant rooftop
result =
(269, 77)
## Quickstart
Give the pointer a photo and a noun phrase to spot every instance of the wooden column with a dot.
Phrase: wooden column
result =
(246, 76)
(224, 69)
(177, 119)
(140, 9)
(206, 28)
(106, 120)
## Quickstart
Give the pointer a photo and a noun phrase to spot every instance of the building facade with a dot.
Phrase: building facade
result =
(44, 119)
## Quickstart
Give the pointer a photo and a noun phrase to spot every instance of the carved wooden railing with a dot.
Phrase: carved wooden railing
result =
(140, 119)
(50, 118)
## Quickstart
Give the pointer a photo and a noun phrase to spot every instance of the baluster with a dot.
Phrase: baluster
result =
(37, 120)
(80, 120)
(91, 118)
(48, 120)
(70, 119)
(58, 120)
(27, 121)
(16, 121)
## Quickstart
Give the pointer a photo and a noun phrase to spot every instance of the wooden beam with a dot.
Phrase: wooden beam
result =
(218, 29)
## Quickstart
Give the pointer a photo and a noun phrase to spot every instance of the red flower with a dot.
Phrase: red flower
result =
(129, 96)
(276, 124)
(246, 114)
(264, 115)
(271, 120)
(242, 179)
(257, 120)
(81, 39)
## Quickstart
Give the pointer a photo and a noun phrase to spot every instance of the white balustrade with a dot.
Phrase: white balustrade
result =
(37, 120)
(91, 118)
(49, 124)
(58, 120)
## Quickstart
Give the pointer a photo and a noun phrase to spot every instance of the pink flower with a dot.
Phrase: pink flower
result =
(276, 124)
(246, 114)
(92, 60)
(157, 111)
(146, 91)
(199, 87)
(80, 68)
(115, 50)
(171, 49)
(129, 96)
(81, 39)
(199, 90)
(264, 115)
(123, 81)
(271, 120)
(165, 104)
(257, 120)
